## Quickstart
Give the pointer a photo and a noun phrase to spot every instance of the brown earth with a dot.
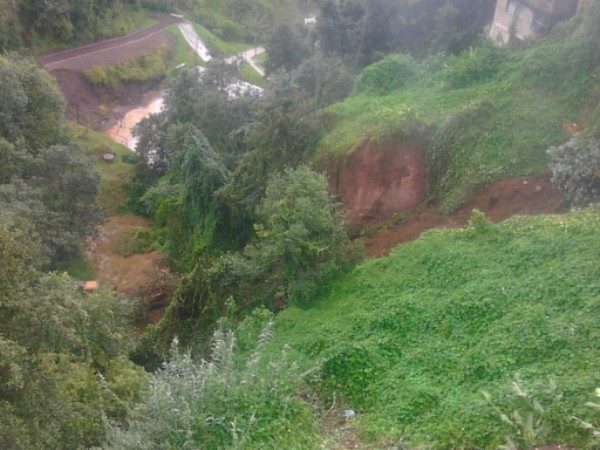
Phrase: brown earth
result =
(90, 106)
(145, 276)
(84, 102)
(113, 51)
(377, 181)
(501, 200)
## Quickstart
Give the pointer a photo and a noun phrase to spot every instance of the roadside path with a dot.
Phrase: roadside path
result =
(112, 51)
(249, 56)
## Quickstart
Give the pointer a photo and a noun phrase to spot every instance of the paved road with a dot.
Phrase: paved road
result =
(113, 51)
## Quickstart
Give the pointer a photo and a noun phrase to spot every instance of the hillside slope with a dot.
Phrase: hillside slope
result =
(478, 117)
(411, 341)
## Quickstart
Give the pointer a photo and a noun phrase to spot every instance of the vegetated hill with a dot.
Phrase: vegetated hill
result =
(44, 26)
(412, 341)
(483, 115)
(247, 20)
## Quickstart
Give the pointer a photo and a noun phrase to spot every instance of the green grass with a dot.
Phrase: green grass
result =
(114, 175)
(184, 54)
(147, 67)
(80, 269)
(261, 59)
(214, 43)
(250, 75)
(524, 96)
(409, 341)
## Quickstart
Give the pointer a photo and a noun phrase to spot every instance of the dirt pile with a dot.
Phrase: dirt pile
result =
(501, 200)
(375, 182)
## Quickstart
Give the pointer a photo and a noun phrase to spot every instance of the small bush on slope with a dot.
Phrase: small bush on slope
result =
(387, 76)
(228, 401)
(576, 170)
(411, 340)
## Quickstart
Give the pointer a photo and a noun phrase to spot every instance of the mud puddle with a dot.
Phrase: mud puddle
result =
(122, 130)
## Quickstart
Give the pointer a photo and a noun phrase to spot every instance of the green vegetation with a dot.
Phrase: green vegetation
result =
(486, 114)
(184, 54)
(114, 175)
(250, 75)
(240, 397)
(261, 59)
(46, 26)
(148, 67)
(218, 45)
(64, 371)
(243, 20)
(410, 341)
(135, 241)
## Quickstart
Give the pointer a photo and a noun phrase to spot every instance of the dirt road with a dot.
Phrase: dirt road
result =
(112, 51)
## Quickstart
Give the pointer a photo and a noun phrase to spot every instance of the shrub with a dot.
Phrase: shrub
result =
(225, 401)
(389, 75)
(474, 67)
(576, 170)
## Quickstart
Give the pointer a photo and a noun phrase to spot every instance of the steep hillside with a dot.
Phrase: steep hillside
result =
(247, 20)
(411, 342)
(478, 117)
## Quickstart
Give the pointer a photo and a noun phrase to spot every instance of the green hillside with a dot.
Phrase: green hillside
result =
(412, 340)
(485, 115)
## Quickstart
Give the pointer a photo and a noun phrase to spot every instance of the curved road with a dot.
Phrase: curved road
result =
(103, 53)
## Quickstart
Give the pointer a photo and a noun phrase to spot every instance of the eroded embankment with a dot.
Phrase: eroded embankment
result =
(383, 187)
(377, 181)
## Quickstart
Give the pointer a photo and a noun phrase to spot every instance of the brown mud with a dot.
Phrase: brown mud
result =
(145, 276)
(500, 200)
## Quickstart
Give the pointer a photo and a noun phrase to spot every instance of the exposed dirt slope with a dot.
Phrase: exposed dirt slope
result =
(501, 200)
(144, 276)
(375, 182)
(112, 51)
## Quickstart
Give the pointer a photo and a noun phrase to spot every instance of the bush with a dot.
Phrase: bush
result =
(389, 75)
(226, 401)
(302, 238)
(576, 170)
(474, 67)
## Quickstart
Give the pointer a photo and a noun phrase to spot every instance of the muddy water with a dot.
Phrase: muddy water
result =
(122, 131)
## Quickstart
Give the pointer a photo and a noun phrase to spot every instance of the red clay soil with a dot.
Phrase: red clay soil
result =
(501, 200)
(112, 51)
(375, 182)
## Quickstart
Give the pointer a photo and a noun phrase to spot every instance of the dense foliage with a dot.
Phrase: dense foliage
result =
(63, 353)
(410, 341)
(363, 31)
(237, 398)
(45, 24)
(484, 115)
(44, 177)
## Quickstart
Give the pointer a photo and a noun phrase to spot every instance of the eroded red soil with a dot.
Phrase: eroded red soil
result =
(376, 182)
(501, 200)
